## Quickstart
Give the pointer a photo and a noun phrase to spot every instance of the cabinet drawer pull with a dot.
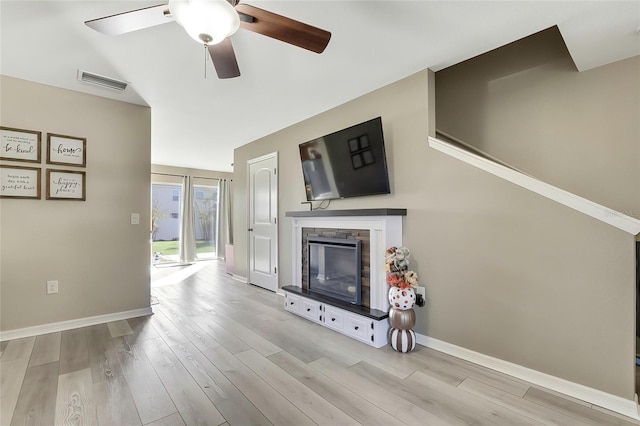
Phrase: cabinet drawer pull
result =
(308, 309)
(333, 319)
(357, 327)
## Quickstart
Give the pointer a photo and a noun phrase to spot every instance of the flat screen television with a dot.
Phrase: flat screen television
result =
(347, 163)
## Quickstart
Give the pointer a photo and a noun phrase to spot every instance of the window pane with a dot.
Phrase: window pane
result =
(205, 213)
(165, 222)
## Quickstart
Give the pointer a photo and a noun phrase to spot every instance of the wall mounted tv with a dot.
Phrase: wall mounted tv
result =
(347, 163)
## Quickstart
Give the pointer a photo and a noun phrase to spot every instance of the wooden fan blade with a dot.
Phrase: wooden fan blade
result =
(283, 28)
(132, 20)
(224, 59)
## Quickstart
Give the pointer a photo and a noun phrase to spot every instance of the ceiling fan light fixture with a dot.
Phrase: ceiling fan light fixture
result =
(206, 21)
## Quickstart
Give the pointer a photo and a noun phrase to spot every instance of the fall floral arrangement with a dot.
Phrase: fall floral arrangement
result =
(397, 267)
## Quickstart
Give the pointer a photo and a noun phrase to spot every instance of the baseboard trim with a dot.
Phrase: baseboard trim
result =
(54, 327)
(240, 278)
(593, 396)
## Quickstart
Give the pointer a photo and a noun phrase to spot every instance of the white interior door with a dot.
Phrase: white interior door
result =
(263, 222)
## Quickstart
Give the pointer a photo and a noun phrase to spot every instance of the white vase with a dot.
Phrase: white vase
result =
(402, 299)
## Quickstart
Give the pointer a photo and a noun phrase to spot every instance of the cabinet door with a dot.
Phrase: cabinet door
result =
(334, 318)
(292, 303)
(358, 327)
(310, 309)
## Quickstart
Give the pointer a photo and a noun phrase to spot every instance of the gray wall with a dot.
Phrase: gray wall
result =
(508, 273)
(526, 105)
(100, 260)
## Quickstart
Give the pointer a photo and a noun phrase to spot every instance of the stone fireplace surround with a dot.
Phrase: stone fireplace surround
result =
(384, 228)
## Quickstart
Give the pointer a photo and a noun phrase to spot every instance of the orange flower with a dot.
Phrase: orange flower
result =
(394, 279)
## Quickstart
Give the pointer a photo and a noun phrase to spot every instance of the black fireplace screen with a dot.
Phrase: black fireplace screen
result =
(334, 268)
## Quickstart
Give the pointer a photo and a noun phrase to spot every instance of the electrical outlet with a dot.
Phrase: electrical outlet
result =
(135, 218)
(52, 287)
(420, 296)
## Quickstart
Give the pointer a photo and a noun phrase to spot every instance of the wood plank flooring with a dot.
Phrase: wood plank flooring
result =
(219, 352)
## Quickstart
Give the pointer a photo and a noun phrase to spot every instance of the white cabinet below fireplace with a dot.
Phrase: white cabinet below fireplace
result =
(360, 327)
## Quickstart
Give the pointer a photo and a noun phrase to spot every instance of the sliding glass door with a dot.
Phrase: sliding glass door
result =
(167, 235)
(165, 222)
(205, 213)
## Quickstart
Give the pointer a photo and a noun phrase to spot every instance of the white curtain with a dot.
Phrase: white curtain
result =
(224, 234)
(187, 234)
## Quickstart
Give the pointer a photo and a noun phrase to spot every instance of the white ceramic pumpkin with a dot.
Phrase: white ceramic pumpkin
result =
(402, 299)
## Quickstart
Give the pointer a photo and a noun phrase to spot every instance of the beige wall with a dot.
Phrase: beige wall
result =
(508, 273)
(100, 260)
(526, 104)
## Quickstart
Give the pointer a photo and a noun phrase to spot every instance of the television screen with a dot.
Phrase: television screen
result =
(347, 163)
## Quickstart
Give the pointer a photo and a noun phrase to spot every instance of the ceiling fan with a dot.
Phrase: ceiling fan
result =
(212, 22)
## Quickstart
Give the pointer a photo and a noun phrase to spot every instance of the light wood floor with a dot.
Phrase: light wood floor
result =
(221, 352)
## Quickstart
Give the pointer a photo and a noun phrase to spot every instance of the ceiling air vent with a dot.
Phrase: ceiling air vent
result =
(102, 81)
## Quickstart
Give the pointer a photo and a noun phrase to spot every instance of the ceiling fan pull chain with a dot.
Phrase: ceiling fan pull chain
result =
(205, 61)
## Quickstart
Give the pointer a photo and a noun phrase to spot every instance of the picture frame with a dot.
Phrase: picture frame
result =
(66, 185)
(66, 150)
(20, 145)
(20, 182)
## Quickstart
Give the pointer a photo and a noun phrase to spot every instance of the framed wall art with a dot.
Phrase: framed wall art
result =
(66, 185)
(66, 150)
(19, 182)
(20, 145)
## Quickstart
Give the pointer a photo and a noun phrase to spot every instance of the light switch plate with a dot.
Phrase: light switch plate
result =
(135, 218)
(52, 287)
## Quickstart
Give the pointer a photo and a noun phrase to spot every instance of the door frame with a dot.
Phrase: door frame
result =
(248, 216)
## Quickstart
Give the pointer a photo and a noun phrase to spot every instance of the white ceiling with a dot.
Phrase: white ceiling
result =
(197, 122)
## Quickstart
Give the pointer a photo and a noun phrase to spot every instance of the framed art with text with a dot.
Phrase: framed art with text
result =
(20, 145)
(66, 150)
(19, 182)
(66, 185)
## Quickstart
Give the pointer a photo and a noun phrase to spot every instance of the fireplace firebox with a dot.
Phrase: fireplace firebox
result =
(334, 268)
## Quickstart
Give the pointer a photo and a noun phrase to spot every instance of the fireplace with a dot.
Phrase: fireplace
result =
(334, 268)
(326, 261)
(377, 229)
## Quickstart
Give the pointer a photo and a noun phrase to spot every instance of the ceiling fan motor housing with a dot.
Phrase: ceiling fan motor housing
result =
(206, 21)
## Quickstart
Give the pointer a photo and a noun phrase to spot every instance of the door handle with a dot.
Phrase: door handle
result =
(250, 229)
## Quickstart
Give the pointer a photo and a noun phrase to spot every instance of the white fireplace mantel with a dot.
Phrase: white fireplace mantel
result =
(385, 230)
